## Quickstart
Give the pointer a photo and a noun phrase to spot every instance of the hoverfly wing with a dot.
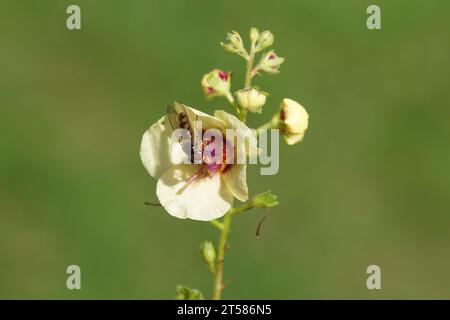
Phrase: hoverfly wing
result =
(172, 116)
(188, 123)
(179, 119)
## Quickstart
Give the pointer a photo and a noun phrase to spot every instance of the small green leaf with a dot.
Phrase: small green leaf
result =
(186, 293)
(264, 200)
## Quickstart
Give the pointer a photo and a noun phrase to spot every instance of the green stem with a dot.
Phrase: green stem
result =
(217, 224)
(246, 206)
(248, 78)
(249, 73)
(225, 225)
(223, 244)
(233, 103)
(243, 115)
(274, 123)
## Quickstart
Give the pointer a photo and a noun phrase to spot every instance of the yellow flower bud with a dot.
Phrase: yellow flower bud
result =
(293, 121)
(251, 99)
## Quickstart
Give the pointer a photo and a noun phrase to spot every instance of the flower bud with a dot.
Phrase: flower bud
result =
(186, 293)
(254, 35)
(216, 83)
(293, 121)
(233, 43)
(251, 99)
(208, 254)
(265, 40)
(264, 200)
(270, 62)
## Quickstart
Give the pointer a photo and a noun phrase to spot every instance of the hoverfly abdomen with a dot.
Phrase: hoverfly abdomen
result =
(184, 121)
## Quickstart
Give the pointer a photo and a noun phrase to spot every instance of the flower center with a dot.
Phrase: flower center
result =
(214, 159)
(212, 163)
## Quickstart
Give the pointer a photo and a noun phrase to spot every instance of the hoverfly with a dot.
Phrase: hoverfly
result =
(198, 148)
(179, 118)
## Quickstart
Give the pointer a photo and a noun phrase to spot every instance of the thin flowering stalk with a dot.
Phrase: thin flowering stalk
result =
(248, 78)
(233, 103)
(222, 248)
(250, 61)
(265, 200)
(272, 124)
(224, 234)
(217, 224)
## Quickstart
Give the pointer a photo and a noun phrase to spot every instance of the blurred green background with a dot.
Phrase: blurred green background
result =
(370, 184)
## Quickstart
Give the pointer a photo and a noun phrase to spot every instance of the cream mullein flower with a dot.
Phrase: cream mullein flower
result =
(196, 191)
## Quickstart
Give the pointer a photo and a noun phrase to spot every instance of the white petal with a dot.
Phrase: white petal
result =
(296, 117)
(236, 181)
(293, 138)
(241, 129)
(207, 120)
(206, 198)
(230, 120)
(158, 151)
